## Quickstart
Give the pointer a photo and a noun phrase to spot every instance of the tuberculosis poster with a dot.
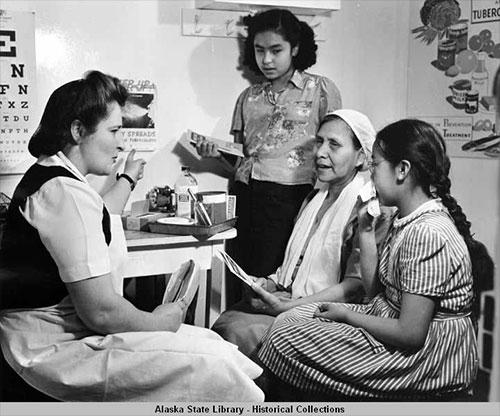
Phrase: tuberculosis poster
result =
(454, 53)
(139, 114)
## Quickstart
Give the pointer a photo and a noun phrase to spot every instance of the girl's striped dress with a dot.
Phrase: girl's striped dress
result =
(423, 254)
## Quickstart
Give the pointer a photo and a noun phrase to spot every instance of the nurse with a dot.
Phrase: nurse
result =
(68, 331)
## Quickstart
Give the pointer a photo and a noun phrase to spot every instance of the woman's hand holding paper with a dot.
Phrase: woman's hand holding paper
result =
(172, 313)
(270, 303)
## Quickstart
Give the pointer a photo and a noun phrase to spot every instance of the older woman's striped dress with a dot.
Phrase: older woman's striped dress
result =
(423, 254)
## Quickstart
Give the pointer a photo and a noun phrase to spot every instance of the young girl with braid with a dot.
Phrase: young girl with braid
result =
(415, 339)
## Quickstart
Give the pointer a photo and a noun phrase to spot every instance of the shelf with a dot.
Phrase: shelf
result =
(301, 7)
(229, 24)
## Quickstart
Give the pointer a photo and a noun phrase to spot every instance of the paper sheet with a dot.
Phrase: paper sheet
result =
(235, 149)
(235, 268)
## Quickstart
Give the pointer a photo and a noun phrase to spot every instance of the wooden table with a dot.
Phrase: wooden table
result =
(161, 254)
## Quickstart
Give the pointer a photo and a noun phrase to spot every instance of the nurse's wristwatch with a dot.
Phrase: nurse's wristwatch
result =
(128, 178)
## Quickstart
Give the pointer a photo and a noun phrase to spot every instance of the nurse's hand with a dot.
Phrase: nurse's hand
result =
(172, 313)
(206, 148)
(134, 167)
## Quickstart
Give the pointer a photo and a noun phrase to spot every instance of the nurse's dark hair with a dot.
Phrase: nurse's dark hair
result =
(286, 24)
(86, 99)
(423, 146)
(333, 117)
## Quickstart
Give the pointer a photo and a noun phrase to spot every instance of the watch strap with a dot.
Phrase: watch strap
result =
(128, 178)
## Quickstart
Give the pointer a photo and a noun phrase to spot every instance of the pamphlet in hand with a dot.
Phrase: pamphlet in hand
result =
(235, 269)
(235, 149)
(183, 284)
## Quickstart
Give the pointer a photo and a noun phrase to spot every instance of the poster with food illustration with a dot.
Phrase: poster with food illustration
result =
(454, 52)
(139, 130)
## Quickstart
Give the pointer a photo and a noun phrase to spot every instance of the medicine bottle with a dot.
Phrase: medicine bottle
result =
(184, 203)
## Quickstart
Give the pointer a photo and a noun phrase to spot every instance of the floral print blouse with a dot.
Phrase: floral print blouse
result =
(279, 128)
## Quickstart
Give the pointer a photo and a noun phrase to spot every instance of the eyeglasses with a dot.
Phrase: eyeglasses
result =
(372, 164)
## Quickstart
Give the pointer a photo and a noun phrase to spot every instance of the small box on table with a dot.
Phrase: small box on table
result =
(139, 218)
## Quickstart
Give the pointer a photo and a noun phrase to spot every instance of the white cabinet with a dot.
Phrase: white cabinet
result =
(304, 7)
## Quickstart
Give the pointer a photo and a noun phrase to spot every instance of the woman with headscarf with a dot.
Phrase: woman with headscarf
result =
(322, 256)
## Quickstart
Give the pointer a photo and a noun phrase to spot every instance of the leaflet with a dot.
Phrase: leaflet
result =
(183, 284)
(235, 268)
(231, 148)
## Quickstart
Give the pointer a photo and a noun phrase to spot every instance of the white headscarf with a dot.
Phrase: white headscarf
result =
(362, 128)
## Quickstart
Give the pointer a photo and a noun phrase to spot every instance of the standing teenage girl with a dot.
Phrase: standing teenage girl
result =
(276, 121)
(415, 338)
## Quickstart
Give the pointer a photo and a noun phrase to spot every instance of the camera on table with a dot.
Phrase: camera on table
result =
(161, 199)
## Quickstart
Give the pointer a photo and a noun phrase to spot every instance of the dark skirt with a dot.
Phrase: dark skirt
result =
(266, 214)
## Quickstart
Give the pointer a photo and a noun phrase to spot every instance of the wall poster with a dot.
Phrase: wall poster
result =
(17, 89)
(139, 130)
(454, 53)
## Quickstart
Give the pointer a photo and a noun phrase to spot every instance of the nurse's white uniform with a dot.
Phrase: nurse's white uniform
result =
(52, 350)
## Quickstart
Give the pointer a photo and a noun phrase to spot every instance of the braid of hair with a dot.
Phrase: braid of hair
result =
(463, 225)
(421, 144)
(440, 180)
(482, 263)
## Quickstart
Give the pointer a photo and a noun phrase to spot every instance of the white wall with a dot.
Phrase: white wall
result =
(365, 53)
(197, 79)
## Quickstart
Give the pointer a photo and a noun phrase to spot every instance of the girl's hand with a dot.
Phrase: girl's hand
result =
(366, 221)
(172, 313)
(206, 148)
(333, 312)
(134, 167)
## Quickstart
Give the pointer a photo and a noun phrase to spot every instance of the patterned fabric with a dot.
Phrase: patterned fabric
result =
(243, 327)
(423, 254)
(279, 128)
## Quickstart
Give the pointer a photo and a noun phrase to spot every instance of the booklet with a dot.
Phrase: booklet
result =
(235, 268)
(368, 193)
(231, 148)
(183, 284)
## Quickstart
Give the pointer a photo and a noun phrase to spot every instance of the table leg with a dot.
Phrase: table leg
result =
(208, 296)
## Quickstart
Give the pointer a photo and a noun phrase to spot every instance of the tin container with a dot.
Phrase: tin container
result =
(215, 205)
(446, 54)
(472, 102)
(460, 34)
(459, 89)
